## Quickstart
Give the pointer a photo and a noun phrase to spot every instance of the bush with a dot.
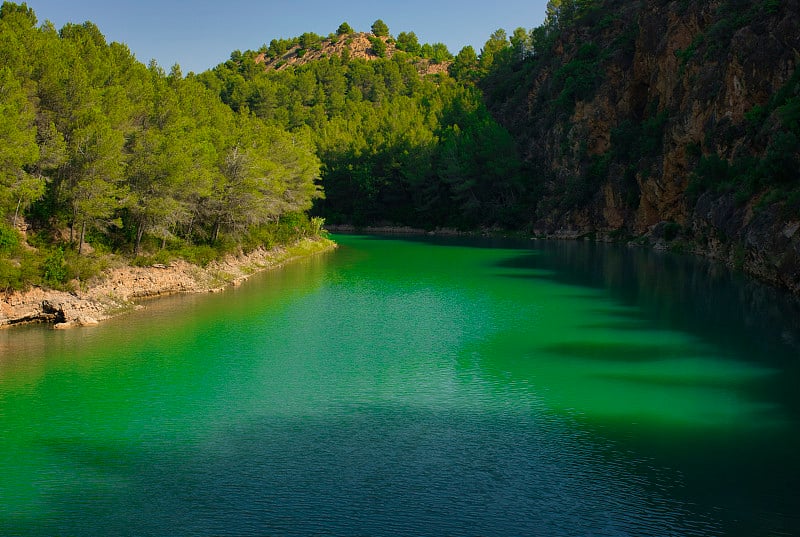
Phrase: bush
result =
(85, 267)
(9, 239)
(54, 268)
(771, 6)
(19, 274)
(199, 255)
(579, 78)
(378, 46)
(671, 231)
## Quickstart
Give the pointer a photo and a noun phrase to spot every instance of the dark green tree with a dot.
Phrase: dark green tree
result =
(465, 65)
(493, 49)
(344, 29)
(378, 46)
(380, 29)
(408, 42)
(18, 147)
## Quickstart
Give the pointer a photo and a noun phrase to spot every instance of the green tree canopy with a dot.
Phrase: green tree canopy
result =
(408, 42)
(493, 48)
(378, 46)
(380, 29)
(465, 65)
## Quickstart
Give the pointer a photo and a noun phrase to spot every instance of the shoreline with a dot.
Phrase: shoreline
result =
(774, 266)
(120, 289)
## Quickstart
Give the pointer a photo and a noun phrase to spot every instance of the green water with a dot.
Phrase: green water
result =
(416, 386)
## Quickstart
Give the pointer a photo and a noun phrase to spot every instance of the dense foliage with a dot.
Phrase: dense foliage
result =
(548, 84)
(396, 147)
(97, 148)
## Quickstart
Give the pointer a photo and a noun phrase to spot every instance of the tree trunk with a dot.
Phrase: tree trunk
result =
(16, 213)
(139, 233)
(215, 232)
(83, 235)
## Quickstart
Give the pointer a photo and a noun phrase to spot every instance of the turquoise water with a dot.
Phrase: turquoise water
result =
(416, 386)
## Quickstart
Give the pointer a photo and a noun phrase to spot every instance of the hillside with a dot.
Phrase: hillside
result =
(354, 46)
(676, 122)
(104, 159)
(671, 123)
(398, 145)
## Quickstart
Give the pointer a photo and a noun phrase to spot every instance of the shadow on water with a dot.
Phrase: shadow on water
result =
(682, 292)
(675, 357)
(618, 351)
(565, 391)
(382, 471)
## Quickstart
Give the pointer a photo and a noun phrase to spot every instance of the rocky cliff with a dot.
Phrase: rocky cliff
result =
(674, 122)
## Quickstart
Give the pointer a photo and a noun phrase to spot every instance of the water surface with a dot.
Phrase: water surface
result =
(416, 386)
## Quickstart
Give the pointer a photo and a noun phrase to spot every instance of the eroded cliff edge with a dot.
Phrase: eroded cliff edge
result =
(677, 122)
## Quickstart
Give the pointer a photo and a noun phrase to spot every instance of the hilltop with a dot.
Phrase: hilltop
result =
(360, 45)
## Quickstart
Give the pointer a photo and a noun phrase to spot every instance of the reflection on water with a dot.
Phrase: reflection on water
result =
(416, 386)
(677, 323)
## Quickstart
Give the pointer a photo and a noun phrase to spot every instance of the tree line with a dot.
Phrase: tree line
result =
(396, 146)
(98, 147)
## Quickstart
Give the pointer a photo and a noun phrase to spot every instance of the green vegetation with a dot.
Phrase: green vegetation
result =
(378, 46)
(578, 78)
(111, 158)
(344, 29)
(379, 28)
(770, 169)
(408, 42)
(395, 147)
(101, 155)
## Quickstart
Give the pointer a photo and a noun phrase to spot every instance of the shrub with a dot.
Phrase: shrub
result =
(84, 267)
(198, 254)
(54, 268)
(671, 230)
(771, 6)
(378, 46)
(9, 239)
(579, 78)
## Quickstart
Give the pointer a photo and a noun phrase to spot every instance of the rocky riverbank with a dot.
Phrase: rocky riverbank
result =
(119, 289)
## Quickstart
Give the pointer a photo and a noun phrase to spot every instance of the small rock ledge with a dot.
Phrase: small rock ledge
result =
(120, 288)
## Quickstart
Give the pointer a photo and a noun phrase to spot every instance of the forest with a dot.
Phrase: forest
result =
(586, 125)
(396, 146)
(104, 156)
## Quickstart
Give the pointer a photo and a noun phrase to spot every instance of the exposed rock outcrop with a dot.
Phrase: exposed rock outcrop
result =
(357, 45)
(616, 117)
(119, 289)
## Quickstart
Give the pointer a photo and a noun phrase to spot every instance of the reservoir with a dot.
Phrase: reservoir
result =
(417, 386)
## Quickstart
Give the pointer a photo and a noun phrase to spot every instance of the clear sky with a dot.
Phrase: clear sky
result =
(199, 34)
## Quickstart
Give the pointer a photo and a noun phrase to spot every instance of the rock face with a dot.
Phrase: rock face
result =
(357, 45)
(626, 117)
(118, 290)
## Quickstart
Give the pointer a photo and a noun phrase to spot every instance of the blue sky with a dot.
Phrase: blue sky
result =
(199, 34)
